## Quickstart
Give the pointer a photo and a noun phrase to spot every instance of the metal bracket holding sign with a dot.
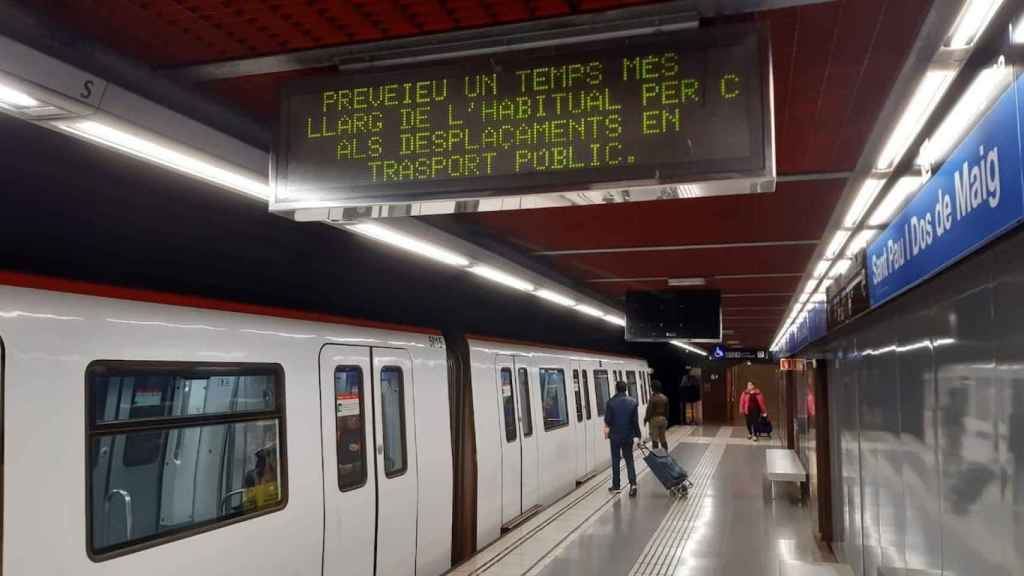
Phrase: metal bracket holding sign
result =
(671, 115)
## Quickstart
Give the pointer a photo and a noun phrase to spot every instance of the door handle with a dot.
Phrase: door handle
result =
(380, 449)
(127, 510)
(226, 498)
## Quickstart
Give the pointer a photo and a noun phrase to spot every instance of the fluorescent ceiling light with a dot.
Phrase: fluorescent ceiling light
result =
(821, 268)
(618, 321)
(1018, 32)
(865, 196)
(928, 93)
(972, 21)
(975, 101)
(399, 240)
(860, 241)
(590, 311)
(897, 196)
(686, 281)
(837, 243)
(165, 156)
(502, 278)
(839, 268)
(688, 347)
(16, 99)
(555, 297)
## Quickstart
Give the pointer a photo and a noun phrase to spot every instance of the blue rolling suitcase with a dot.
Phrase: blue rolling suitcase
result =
(764, 427)
(667, 470)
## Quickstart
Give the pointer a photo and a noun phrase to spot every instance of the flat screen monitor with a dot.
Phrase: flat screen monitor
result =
(694, 315)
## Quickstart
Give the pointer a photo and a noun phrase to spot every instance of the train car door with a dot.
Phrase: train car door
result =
(397, 481)
(511, 447)
(350, 474)
(528, 440)
(590, 426)
(579, 424)
(369, 452)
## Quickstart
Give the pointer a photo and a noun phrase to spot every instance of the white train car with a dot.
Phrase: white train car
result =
(146, 433)
(540, 424)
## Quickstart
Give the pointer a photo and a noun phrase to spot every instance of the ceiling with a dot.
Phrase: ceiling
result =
(833, 64)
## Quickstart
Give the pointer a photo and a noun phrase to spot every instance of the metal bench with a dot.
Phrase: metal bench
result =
(781, 465)
(794, 568)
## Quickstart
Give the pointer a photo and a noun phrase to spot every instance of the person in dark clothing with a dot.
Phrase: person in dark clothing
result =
(753, 406)
(656, 417)
(622, 425)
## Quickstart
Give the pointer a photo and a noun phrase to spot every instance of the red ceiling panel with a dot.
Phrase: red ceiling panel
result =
(686, 263)
(816, 27)
(796, 211)
(900, 22)
(179, 32)
(727, 285)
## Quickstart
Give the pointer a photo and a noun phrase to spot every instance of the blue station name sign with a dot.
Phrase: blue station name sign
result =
(976, 195)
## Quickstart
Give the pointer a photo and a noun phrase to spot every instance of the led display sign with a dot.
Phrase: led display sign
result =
(674, 107)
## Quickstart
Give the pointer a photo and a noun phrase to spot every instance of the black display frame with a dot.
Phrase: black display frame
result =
(637, 332)
(760, 164)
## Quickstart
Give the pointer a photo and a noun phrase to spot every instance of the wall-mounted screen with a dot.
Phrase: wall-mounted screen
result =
(674, 315)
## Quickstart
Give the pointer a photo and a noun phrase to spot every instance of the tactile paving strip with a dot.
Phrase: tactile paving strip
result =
(529, 548)
(664, 551)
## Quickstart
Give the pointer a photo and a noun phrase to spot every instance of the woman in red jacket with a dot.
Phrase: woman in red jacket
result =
(753, 406)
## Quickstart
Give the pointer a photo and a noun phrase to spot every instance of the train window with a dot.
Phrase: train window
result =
(631, 383)
(508, 402)
(350, 427)
(601, 390)
(524, 403)
(178, 448)
(586, 395)
(556, 406)
(392, 414)
(576, 392)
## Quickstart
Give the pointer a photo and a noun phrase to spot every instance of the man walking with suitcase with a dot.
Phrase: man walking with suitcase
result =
(622, 425)
(656, 417)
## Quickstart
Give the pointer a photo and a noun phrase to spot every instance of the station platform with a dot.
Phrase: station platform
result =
(725, 527)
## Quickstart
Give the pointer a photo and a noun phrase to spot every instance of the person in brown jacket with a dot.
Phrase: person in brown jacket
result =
(656, 416)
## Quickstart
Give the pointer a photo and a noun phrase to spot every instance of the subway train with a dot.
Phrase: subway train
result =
(150, 433)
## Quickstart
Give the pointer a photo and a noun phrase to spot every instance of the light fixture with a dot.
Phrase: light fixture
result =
(836, 244)
(555, 297)
(617, 320)
(821, 268)
(687, 281)
(405, 242)
(589, 310)
(900, 191)
(860, 241)
(975, 101)
(166, 156)
(864, 197)
(928, 93)
(1018, 31)
(839, 268)
(973, 19)
(9, 97)
(688, 347)
(500, 277)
